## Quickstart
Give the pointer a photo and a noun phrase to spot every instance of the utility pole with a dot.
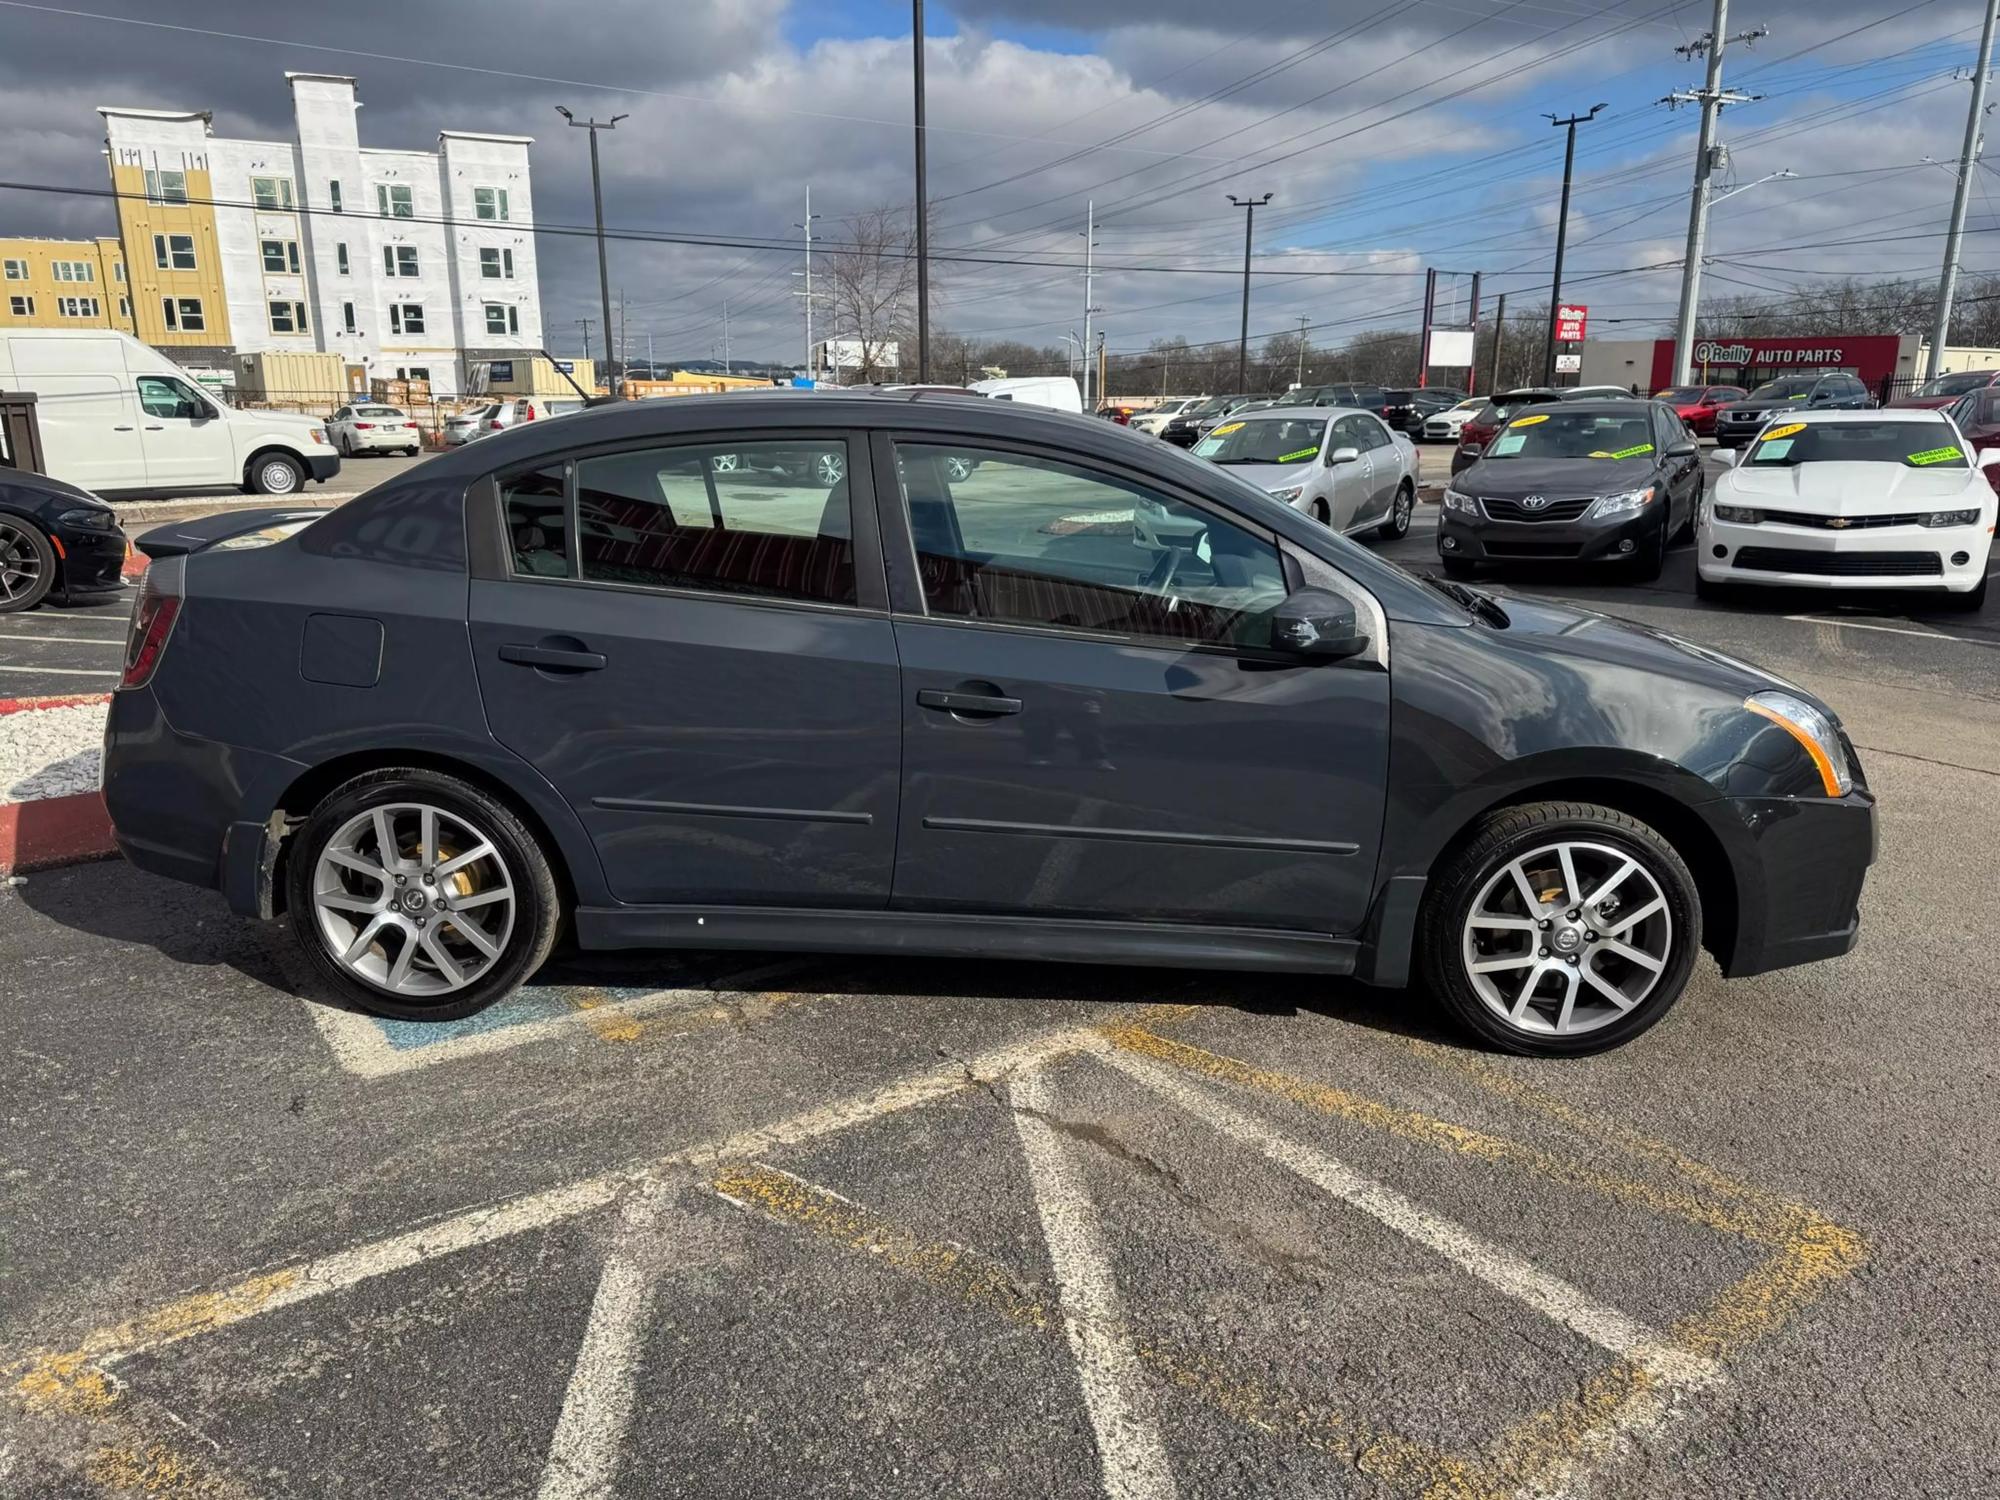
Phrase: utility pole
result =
(1424, 333)
(1707, 157)
(623, 347)
(1103, 365)
(597, 199)
(1249, 207)
(1089, 287)
(1562, 229)
(1300, 379)
(1968, 159)
(652, 370)
(807, 226)
(725, 338)
(1499, 338)
(584, 324)
(923, 212)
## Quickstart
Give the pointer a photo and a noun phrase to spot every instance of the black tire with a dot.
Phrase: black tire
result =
(1400, 510)
(1714, 593)
(538, 916)
(27, 564)
(1513, 833)
(1686, 529)
(1456, 568)
(1970, 602)
(266, 470)
(1652, 556)
(1321, 514)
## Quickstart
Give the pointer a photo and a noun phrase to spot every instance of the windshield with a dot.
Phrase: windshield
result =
(1305, 395)
(1784, 390)
(1574, 434)
(1213, 405)
(1272, 440)
(1683, 394)
(1957, 385)
(376, 411)
(1919, 445)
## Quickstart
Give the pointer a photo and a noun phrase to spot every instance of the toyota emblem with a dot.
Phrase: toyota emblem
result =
(1534, 502)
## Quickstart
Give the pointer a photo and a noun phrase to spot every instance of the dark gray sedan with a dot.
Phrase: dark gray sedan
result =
(583, 675)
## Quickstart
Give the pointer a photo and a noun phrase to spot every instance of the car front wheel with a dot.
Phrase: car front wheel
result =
(27, 564)
(419, 896)
(1561, 929)
(275, 474)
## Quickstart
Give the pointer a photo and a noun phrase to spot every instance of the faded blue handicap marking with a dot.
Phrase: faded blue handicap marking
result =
(535, 1003)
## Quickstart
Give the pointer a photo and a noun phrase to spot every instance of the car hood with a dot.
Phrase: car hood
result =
(1511, 478)
(1921, 403)
(1272, 476)
(1842, 489)
(1759, 408)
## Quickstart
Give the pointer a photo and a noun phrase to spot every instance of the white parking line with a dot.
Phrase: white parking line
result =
(111, 641)
(1927, 635)
(57, 672)
(1501, 1269)
(1132, 1457)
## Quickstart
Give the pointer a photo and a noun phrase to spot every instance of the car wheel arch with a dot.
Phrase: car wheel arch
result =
(277, 450)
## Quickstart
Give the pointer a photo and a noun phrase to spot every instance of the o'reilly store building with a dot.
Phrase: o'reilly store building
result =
(1889, 364)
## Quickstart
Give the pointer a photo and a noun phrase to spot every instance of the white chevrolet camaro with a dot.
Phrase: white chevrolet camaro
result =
(1852, 499)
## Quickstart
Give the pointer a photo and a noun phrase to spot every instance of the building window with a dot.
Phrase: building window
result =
(489, 203)
(118, 270)
(73, 270)
(77, 307)
(166, 187)
(183, 314)
(272, 192)
(281, 256)
(340, 257)
(288, 317)
(502, 319)
(406, 317)
(399, 260)
(495, 265)
(125, 308)
(17, 270)
(173, 252)
(21, 307)
(347, 318)
(333, 193)
(413, 372)
(394, 202)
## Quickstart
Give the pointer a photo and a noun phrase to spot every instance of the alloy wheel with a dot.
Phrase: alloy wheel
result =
(412, 899)
(725, 463)
(830, 469)
(1567, 938)
(20, 563)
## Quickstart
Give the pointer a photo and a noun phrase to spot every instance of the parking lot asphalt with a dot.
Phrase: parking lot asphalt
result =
(724, 1225)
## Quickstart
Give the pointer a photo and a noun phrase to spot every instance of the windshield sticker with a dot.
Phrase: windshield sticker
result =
(1934, 456)
(1784, 432)
(1529, 421)
(1632, 452)
(1508, 442)
(1772, 449)
(1292, 458)
(1799, 397)
(1224, 428)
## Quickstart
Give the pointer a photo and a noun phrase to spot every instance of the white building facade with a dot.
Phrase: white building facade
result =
(407, 264)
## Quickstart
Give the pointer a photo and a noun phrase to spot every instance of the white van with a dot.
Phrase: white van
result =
(1057, 392)
(116, 414)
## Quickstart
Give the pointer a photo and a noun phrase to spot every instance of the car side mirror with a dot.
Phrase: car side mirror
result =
(1317, 624)
(1987, 457)
(1726, 457)
(1343, 456)
(1683, 450)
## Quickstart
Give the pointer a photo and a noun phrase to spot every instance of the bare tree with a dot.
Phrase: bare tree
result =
(871, 280)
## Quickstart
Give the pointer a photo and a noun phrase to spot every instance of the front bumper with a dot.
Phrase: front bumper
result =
(323, 465)
(92, 562)
(1798, 883)
(1481, 539)
(1884, 557)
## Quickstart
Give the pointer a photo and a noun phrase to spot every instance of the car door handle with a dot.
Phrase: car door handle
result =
(126, 428)
(553, 658)
(155, 427)
(973, 705)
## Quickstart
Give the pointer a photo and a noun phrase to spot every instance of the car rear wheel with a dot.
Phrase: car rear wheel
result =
(27, 565)
(1321, 514)
(276, 474)
(1561, 929)
(419, 896)
(1398, 524)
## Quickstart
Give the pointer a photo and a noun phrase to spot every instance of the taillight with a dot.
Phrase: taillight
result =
(152, 623)
(364, 426)
(494, 425)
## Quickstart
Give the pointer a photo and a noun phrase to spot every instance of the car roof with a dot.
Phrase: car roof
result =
(1876, 414)
(1294, 413)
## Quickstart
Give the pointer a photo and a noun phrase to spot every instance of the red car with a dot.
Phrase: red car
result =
(1697, 404)
(1948, 388)
(1977, 414)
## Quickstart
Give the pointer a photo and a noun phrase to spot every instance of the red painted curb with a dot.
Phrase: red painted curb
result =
(135, 565)
(54, 831)
(61, 700)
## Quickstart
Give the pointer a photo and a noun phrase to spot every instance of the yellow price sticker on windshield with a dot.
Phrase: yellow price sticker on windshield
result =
(1633, 452)
(1934, 456)
(1529, 421)
(1292, 458)
(1225, 427)
(1784, 432)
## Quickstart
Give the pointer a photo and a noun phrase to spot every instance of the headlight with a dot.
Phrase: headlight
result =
(1814, 732)
(1630, 503)
(1740, 515)
(1951, 518)
(88, 520)
(319, 434)
(1456, 500)
(1288, 496)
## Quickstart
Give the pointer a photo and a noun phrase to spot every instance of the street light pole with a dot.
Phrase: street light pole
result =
(1562, 234)
(923, 229)
(1249, 207)
(1968, 159)
(1303, 322)
(597, 199)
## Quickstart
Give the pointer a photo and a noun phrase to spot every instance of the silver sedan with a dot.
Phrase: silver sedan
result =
(1342, 467)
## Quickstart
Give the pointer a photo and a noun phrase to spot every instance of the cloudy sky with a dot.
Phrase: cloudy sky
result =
(1392, 134)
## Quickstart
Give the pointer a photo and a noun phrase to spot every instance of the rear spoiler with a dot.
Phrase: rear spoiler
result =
(179, 538)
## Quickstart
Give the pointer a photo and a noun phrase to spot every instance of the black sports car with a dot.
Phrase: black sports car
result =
(55, 538)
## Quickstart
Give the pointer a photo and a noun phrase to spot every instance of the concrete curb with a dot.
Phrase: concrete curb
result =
(54, 831)
(67, 826)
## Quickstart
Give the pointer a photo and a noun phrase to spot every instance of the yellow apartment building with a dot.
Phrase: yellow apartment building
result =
(64, 284)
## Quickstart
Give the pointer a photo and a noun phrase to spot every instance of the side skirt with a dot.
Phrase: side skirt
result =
(955, 935)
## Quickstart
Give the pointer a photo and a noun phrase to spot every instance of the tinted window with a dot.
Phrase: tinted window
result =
(1574, 434)
(531, 505)
(1956, 385)
(1795, 389)
(769, 519)
(1036, 542)
(1268, 440)
(1918, 444)
(163, 396)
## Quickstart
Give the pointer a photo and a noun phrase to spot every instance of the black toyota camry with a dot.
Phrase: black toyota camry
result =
(1579, 481)
(55, 539)
(618, 676)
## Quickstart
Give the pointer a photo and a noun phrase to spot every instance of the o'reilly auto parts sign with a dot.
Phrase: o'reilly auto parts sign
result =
(1710, 352)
